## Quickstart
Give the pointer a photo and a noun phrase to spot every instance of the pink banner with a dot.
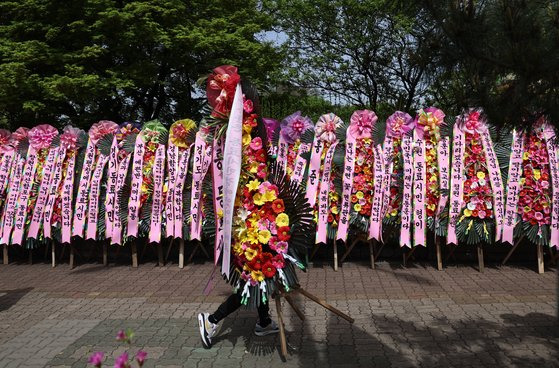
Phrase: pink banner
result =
(496, 182)
(67, 194)
(93, 207)
(375, 226)
(38, 210)
(324, 202)
(513, 187)
(217, 182)
(136, 188)
(116, 237)
(232, 159)
(83, 191)
(156, 208)
(456, 184)
(111, 196)
(5, 166)
(347, 186)
(24, 194)
(419, 190)
(406, 216)
(283, 149)
(300, 163)
(53, 191)
(13, 194)
(196, 193)
(388, 149)
(443, 154)
(313, 178)
(172, 170)
(553, 152)
(179, 189)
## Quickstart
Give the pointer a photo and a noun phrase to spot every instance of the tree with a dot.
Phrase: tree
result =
(84, 60)
(361, 51)
(501, 55)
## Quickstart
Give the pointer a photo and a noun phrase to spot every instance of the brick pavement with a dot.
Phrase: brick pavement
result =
(414, 317)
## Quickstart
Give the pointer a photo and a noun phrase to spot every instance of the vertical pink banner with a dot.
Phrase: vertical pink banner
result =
(406, 216)
(375, 225)
(496, 183)
(53, 191)
(444, 172)
(172, 170)
(456, 184)
(324, 203)
(184, 160)
(5, 166)
(116, 237)
(136, 186)
(111, 193)
(83, 191)
(513, 187)
(387, 177)
(283, 149)
(25, 192)
(93, 205)
(300, 163)
(13, 194)
(313, 179)
(552, 151)
(44, 188)
(347, 186)
(419, 190)
(217, 182)
(156, 208)
(196, 193)
(67, 194)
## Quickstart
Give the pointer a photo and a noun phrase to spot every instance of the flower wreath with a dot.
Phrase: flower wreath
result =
(292, 145)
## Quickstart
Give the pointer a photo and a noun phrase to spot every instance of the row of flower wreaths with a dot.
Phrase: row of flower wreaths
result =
(261, 190)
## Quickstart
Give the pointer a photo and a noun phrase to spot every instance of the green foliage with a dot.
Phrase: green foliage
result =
(87, 60)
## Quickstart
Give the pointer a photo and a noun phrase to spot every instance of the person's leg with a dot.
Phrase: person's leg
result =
(230, 305)
(264, 314)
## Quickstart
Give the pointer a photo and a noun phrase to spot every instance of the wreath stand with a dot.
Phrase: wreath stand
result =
(539, 253)
(199, 245)
(288, 295)
(480, 260)
(5, 258)
(364, 239)
(335, 248)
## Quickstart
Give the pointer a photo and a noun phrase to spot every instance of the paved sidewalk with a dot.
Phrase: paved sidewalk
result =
(414, 317)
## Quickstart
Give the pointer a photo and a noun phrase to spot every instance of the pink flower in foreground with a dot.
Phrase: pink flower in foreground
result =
(141, 357)
(122, 361)
(121, 336)
(96, 359)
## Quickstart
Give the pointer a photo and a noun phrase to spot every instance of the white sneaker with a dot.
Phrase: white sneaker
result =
(207, 329)
(272, 328)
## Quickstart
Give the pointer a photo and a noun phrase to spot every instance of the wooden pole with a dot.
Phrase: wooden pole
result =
(169, 249)
(5, 254)
(372, 252)
(53, 253)
(335, 255)
(349, 249)
(134, 253)
(283, 341)
(160, 259)
(325, 305)
(30, 256)
(480, 257)
(540, 259)
(294, 306)
(181, 253)
(439, 254)
(72, 251)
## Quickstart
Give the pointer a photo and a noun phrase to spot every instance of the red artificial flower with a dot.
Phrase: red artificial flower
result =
(283, 233)
(256, 263)
(268, 270)
(278, 206)
(220, 89)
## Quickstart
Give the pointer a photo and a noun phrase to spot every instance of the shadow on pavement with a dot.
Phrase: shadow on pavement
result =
(8, 298)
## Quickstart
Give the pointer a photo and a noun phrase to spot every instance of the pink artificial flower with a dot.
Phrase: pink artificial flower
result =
(538, 216)
(122, 361)
(121, 336)
(4, 137)
(361, 123)
(325, 128)
(256, 143)
(248, 106)
(280, 247)
(398, 124)
(19, 135)
(472, 121)
(100, 129)
(278, 261)
(96, 359)
(69, 137)
(293, 126)
(141, 357)
(41, 136)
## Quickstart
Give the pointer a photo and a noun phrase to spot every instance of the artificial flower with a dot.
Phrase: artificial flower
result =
(398, 124)
(220, 89)
(179, 132)
(100, 129)
(41, 136)
(361, 123)
(325, 128)
(278, 206)
(293, 127)
(282, 220)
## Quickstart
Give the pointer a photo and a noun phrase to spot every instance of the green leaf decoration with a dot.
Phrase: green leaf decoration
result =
(104, 144)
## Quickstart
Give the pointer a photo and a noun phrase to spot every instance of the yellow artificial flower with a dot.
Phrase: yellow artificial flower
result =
(526, 155)
(334, 210)
(282, 220)
(522, 181)
(394, 212)
(480, 175)
(264, 236)
(253, 185)
(357, 207)
(252, 237)
(250, 253)
(257, 276)
(269, 196)
(253, 167)
(467, 212)
(537, 174)
(246, 139)
(258, 200)
(431, 206)
(359, 195)
(238, 248)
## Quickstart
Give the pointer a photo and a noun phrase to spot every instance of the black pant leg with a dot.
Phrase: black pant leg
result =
(264, 314)
(230, 305)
